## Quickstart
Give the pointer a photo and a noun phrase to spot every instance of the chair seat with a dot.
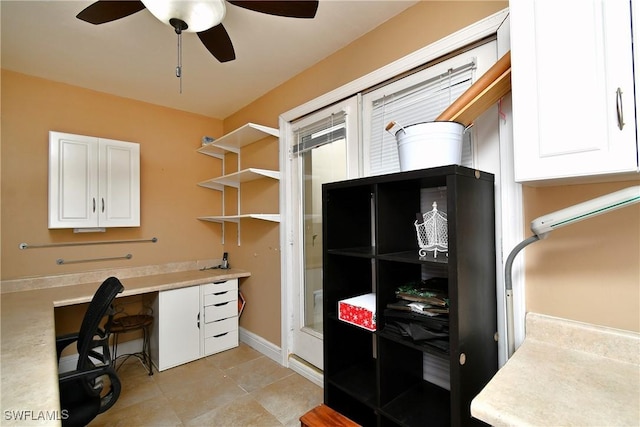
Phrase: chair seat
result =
(131, 323)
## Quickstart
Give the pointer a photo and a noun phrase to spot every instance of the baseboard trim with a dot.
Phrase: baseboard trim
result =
(258, 343)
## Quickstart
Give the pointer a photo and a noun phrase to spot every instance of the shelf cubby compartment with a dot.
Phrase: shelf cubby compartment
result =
(347, 405)
(349, 225)
(350, 371)
(424, 401)
(405, 397)
(346, 277)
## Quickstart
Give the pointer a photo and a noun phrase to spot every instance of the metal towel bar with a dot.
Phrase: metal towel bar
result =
(104, 242)
(61, 261)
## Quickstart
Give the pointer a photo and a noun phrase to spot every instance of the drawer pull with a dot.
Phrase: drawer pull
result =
(220, 335)
(220, 293)
(619, 111)
(218, 282)
(221, 304)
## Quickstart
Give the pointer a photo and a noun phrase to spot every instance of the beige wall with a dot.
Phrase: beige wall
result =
(589, 271)
(170, 169)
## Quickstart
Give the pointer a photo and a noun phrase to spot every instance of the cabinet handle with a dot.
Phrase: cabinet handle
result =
(220, 335)
(94, 204)
(103, 205)
(198, 320)
(221, 304)
(619, 108)
(220, 293)
(220, 281)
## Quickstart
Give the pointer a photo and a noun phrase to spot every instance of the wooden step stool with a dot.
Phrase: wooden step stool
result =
(322, 416)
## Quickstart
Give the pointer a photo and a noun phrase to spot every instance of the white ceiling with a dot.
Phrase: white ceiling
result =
(136, 56)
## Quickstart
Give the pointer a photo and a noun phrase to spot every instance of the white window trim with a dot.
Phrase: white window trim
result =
(468, 35)
(511, 203)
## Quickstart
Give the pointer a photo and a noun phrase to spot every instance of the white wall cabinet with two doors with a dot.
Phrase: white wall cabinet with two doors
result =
(574, 109)
(93, 182)
(194, 322)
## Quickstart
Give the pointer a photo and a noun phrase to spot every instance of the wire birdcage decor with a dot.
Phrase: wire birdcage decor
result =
(432, 232)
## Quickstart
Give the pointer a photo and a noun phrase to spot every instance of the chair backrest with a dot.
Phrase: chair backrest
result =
(99, 307)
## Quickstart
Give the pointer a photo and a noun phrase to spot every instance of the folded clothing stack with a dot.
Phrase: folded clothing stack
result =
(421, 313)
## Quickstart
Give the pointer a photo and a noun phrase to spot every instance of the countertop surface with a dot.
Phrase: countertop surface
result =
(28, 358)
(566, 373)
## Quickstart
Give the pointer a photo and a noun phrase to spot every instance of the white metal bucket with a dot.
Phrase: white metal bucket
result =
(430, 144)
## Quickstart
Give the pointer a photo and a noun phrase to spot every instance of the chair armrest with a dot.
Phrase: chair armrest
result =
(64, 341)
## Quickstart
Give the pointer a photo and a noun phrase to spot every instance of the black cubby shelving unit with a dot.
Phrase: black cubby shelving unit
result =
(370, 245)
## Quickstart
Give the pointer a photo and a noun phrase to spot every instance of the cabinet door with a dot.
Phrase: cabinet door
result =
(572, 74)
(177, 335)
(73, 181)
(119, 184)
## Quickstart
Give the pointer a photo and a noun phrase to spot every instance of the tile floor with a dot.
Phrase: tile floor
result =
(238, 387)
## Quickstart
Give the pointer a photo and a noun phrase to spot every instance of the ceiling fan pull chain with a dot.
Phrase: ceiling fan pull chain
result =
(179, 66)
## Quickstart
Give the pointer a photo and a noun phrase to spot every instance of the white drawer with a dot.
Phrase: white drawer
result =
(215, 293)
(218, 327)
(227, 285)
(219, 297)
(222, 342)
(221, 311)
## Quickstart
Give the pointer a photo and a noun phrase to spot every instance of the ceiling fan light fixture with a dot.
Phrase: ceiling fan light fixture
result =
(198, 15)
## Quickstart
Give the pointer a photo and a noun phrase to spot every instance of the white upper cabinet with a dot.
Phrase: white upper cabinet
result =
(93, 182)
(573, 88)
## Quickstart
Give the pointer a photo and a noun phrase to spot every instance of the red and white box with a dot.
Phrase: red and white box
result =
(359, 311)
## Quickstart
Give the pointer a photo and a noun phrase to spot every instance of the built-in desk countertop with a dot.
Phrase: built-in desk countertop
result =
(566, 373)
(28, 360)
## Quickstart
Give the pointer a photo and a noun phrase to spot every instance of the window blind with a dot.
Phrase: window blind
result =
(324, 131)
(421, 102)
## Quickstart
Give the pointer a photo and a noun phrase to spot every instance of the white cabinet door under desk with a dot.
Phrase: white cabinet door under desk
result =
(176, 334)
(194, 322)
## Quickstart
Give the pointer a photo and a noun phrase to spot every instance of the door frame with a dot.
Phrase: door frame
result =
(512, 231)
(295, 245)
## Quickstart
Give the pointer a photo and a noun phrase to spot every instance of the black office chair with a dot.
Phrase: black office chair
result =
(93, 387)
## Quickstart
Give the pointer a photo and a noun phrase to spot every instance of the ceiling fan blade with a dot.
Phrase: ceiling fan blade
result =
(218, 42)
(291, 9)
(104, 11)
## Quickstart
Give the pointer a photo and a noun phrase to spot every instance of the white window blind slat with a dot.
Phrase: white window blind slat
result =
(324, 131)
(421, 102)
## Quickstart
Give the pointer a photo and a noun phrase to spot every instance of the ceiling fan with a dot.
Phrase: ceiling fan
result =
(203, 17)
